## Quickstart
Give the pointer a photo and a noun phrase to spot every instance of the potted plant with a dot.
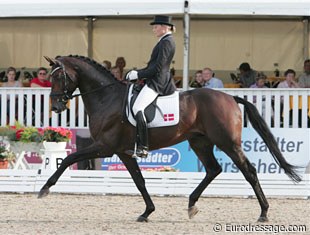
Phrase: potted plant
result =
(56, 137)
(4, 131)
(6, 156)
(25, 138)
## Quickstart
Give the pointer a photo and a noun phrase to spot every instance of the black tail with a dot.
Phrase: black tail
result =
(263, 130)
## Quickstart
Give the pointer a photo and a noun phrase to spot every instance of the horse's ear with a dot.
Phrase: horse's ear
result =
(51, 61)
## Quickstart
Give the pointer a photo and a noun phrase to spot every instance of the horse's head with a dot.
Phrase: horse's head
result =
(64, 84)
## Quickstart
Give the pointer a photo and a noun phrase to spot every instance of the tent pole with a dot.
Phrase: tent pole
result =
(306, 38)
(186, 46)
(90, 26)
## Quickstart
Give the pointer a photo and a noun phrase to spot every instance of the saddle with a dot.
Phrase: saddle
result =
(163, 111)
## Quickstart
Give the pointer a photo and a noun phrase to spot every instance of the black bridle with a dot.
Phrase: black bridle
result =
(66, 94)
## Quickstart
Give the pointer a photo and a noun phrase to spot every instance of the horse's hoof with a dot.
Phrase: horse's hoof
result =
(262, 219)
(142, 219)
(43, 192)
(192, 211)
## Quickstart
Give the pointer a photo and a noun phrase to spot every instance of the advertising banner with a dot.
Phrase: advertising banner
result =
(293, 143)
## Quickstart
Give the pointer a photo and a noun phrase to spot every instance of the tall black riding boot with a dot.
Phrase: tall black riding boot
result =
(142, 136)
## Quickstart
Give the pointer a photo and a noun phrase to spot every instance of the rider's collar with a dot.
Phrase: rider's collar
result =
(164, 35)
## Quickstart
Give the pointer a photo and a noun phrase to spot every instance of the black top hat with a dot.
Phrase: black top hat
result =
(160, 19)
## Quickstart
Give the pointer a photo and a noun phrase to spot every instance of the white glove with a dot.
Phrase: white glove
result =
(132, 75)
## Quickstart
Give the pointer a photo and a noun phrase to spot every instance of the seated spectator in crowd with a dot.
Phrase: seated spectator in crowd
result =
(41, 80)
(107, 64)
(11, 74)
(117, 73)
(198, 80)
(121, 63)
(209, 80)
(247, 75)
(290, 81)
(259, 81)
(304, 79)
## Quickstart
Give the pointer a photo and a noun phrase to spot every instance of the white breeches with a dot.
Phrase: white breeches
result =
(145, 97)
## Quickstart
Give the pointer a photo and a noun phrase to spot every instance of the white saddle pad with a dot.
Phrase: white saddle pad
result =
(167, 110)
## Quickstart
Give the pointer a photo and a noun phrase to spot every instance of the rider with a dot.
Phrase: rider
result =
(156, 75)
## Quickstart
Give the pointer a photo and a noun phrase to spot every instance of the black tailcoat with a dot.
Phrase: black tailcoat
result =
(157, 73)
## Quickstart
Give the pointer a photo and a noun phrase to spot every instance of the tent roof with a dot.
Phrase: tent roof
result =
(251, 7)
(58, 8)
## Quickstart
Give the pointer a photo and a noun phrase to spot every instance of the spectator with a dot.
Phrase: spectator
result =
(41, 80)
(209, 80)
(304, 79)
(247, 75)
(198, 80)
(107, 64)
(289, 81)
(117, 73)
(259, 81)
(11, 74)
(121, 63)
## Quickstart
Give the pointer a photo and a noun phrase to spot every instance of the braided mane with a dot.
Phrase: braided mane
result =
(92, 62)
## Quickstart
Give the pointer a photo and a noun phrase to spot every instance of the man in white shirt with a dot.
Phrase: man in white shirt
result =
(209, 80)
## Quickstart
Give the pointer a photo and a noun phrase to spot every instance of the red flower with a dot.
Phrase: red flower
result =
(19, 134)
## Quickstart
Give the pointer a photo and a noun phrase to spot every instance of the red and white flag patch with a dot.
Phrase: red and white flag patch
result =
(169, 117)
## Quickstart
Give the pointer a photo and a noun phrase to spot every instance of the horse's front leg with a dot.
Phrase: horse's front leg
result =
(90, 152)
(135, 172)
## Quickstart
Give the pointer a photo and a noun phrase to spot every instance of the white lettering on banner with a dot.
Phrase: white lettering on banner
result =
(258, 145)
(293, 143)
(152, 158)
(261, 166)
(156, 158)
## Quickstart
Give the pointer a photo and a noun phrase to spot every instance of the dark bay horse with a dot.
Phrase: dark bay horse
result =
(207, 118)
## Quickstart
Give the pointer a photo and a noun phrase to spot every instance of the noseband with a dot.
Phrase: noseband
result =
(65, 95)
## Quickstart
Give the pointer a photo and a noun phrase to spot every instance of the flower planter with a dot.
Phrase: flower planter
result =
(54, 146)
(17, 147)
(4, 164)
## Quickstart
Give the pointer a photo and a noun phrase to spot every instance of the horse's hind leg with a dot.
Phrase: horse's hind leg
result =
(250, 175)
(204, 150)
(135, 172)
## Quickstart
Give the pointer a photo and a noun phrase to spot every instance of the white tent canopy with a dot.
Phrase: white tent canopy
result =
(250, 7)
(74, 8)
(56, 8)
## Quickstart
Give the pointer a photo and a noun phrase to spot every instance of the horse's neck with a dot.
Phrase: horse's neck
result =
(98, 99)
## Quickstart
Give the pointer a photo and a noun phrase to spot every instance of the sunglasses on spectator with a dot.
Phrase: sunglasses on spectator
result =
(42, 73)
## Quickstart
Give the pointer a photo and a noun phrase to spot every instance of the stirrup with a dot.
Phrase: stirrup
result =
(142, 152)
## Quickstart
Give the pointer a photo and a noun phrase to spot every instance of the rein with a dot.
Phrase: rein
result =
(66, 94)
(92, 91)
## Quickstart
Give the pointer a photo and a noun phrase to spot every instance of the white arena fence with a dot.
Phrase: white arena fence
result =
(157, 183)
(34, 110)
(34, 107)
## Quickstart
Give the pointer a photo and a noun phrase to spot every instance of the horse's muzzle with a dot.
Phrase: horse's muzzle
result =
(59, 107)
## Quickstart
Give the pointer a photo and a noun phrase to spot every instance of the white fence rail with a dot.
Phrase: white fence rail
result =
(157, 183)
(31, 106)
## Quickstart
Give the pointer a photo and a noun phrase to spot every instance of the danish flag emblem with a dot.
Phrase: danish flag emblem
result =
(168, 117)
